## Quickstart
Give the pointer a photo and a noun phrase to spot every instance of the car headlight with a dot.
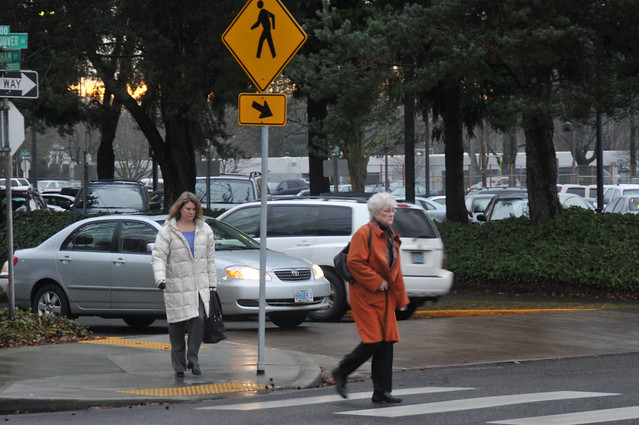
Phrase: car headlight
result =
(5, 270)
(318, 272)
(244, 272)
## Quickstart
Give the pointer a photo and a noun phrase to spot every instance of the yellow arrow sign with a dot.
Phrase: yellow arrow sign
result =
(264, 37)
(262, 109)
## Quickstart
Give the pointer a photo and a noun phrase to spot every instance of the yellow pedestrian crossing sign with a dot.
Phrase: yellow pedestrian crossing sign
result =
(263, 38)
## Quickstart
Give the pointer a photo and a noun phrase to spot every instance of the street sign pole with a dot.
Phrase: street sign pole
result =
(4, 133)
(262, 305)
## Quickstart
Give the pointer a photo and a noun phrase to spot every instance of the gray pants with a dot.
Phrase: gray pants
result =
(177, 332)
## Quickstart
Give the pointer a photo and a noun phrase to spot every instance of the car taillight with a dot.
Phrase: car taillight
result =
(443, 259)
(15, 260)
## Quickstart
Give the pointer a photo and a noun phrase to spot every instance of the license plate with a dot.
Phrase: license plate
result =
(303, 295)
(417, 257)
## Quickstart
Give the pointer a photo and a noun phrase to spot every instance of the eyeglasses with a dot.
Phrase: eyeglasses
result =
(388, 211)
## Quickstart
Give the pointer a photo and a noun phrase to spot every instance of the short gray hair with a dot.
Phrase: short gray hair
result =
(379, 201)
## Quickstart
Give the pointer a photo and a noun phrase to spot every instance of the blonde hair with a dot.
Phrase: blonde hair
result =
(185, 198)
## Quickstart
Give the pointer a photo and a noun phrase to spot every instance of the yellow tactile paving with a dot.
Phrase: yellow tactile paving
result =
(227, 387)
(135, 343)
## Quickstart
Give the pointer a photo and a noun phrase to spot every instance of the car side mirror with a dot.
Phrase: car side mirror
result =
(482, 217)
(155, 205)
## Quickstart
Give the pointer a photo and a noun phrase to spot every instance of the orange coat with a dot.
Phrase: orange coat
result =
(373, 310)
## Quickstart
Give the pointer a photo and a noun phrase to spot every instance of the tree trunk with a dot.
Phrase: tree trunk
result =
(317, 149)
(180, 171)
(357, 159)
(409, 138)
(454, 152)
(110, 115)
(541, 159)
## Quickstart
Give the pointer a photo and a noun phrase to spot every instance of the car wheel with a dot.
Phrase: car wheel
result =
(139, 321)
(337, 304)
(51, 300)
(286, 319)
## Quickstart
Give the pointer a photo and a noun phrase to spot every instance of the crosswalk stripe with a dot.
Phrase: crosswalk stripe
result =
(471, 403)
(578, 418)
(305, 401)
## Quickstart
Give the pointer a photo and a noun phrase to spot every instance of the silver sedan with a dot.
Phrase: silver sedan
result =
(101, 266)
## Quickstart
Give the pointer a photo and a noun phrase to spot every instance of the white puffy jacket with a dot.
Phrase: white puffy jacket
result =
(186, 275)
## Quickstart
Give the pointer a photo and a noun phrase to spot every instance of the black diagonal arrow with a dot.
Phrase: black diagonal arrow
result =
(264, 110)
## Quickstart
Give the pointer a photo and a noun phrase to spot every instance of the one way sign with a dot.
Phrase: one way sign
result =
(22, 84)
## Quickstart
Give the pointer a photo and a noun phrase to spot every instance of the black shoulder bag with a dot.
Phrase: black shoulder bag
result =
(340, 263)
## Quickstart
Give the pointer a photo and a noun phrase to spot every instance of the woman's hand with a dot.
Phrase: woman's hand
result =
(383, 286)
(403, 308)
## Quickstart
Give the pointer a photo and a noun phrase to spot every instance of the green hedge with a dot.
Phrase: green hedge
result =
(32, 228)
(578, 250)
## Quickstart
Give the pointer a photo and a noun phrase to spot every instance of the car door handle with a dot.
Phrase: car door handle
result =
(65, 260)
(304, 243)
(119, 261)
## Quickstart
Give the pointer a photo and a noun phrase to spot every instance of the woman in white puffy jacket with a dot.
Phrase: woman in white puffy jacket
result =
(184, 268)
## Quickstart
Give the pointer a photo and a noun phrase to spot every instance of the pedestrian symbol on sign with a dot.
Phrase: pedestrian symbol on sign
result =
(264, 18)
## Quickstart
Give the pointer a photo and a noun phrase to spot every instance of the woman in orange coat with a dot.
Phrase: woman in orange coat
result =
(378, 289)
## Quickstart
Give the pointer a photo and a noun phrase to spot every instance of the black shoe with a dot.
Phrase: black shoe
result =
(196, 370)
(386, 398)
(179, 374)
(340, 383)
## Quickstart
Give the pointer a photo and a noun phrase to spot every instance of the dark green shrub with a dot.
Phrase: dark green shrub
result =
(578, 250)
(32, 228)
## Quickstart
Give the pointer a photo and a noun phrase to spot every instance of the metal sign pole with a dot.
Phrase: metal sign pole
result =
(4, 133)
(263, 214)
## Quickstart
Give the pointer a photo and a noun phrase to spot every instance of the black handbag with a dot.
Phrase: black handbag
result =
(214, 329)
(340, 263)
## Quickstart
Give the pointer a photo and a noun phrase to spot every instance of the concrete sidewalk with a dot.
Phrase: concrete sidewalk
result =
(121, 371)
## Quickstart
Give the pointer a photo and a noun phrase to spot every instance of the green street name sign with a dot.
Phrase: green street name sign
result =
(14, 41)
(11, 59)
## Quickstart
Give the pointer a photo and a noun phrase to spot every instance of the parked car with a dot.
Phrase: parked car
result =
(505, 205)
(568, 200)
(613, 191)
(290, 187)
(45, 186)
(625, 204)
(23, 198)
(15, 182)
(101, 266)
(476, 204)
(57, 200)
(511, 204)
(317, 229)
(435, 210)
(228, 190)
(114, 196)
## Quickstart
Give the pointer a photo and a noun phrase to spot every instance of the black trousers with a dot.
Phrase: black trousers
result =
(381, 368)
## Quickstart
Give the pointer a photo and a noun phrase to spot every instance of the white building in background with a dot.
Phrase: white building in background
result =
(615, 166)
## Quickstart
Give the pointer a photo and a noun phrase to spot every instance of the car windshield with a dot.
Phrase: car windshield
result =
(226, 191)
(413, 223)
(505, 208)
(228, 237)
(113, 197)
